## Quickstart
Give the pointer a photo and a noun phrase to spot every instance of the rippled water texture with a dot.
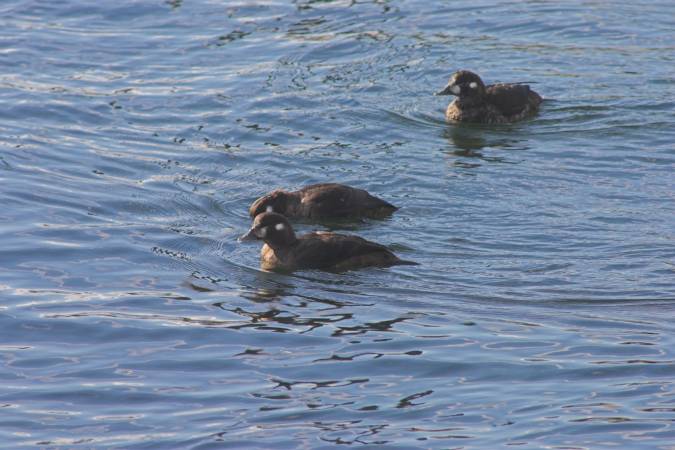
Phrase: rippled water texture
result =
(134, 135)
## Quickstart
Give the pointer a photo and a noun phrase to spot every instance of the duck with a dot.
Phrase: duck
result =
(322, 201)
(491, 104)
(283, 251)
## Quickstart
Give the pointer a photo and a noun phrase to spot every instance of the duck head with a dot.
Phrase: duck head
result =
(276, 201)
(272, 228)
(464, 84)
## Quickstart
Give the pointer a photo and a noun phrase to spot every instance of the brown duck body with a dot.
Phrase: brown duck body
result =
(323, 201)
(492, 104)
(327, 251)
(495, 107)
(283, 251)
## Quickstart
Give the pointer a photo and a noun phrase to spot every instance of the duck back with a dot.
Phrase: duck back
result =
(511, 99)
(337, 200)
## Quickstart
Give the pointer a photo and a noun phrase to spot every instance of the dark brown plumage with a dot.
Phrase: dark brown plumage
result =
(492, 104)
(322, 201)
(283, 251)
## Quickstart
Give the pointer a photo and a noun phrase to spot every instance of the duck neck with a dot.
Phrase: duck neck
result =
(470, 101)
(293, 204)
(283, 245)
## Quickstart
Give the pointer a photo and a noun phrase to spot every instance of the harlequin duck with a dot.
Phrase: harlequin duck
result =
(321, 201)
(495, 103)
(283, 251)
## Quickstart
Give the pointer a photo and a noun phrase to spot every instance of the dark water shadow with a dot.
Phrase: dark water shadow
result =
(472, 141)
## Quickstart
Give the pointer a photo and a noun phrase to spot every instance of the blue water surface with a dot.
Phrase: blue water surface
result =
(134, 135)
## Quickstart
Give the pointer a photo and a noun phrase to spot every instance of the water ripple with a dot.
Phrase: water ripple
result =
(135, 136)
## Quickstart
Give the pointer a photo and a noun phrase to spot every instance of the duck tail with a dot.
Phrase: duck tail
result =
(404, 262)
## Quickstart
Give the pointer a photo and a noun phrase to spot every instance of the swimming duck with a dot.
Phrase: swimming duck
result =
(284, 251)
(495, 103)
(326, 200)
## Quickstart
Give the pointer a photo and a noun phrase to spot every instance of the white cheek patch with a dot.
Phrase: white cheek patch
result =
(279, 226)
(455, 89)
(263, 232)
(473, 85)
(269, 208)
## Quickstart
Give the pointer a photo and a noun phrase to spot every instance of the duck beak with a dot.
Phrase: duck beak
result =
(249, 236)
(450, 89)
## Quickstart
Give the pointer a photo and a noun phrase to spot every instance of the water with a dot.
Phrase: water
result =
(134, 135)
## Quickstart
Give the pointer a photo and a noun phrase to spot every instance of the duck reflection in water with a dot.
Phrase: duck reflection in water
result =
(466, 141)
